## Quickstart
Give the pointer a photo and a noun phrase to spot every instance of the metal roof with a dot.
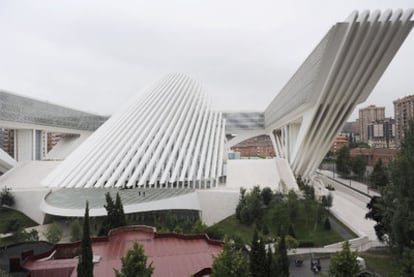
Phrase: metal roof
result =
(171, 254)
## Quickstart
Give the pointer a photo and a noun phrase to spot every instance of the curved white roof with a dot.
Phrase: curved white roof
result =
(307, 114)
(169, 138)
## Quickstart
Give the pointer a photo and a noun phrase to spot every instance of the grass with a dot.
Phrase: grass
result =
(343, 226)
(7, 215)
(381, 262)
(303, 225)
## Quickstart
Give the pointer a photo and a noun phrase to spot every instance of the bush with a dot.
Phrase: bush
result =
(53, 233)
(306, 244)
(291, 231)
(13, 226)
(327, 224)
(75, 231)
(23, 235)
(6, 197)
(215, 232)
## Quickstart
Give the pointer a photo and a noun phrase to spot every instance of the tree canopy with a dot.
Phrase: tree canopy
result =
(53, 233)
(379, 176)
(393, 211)
(85, 265)
(398, 196)
(230, 262)
(135, 263)
(116, 215)
(257, 257)
(6, 197)
(358, 165)
(343, 161)
(344, 263)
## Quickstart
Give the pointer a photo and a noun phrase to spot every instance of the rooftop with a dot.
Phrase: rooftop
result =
(171, 254)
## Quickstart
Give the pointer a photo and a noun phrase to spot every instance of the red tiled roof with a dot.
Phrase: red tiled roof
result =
(171, 254)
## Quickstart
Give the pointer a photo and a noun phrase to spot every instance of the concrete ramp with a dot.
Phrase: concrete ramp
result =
(66, 145)
(274, 173)
(6, 162)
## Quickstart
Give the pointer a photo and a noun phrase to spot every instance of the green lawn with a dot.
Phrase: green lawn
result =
(304, 228)
(6, 215)
(381, 262)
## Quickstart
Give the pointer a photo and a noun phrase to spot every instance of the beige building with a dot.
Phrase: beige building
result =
(403, 111)
(366, 116)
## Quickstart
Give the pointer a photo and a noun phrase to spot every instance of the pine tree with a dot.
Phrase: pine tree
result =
(343, 161)
(379, 175)
(271, 267)
(135, 263)
(344, 263)
(282, 260)
(119, 212)
(115, 214)
(85, 265)
(257, 257)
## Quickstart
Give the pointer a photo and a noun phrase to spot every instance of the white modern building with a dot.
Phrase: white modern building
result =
(168, 148)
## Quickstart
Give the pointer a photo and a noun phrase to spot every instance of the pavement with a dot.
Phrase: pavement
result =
(350, 199)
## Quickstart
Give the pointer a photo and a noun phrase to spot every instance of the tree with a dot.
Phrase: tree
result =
(398, 195)
(6, 197)
(257, 257)
(407, 262)
(282, 260)
(230, 262)
(293, 204)
(344, 263)
(241, 204)
(199, 227)
(291, 242)
(23, 235)
(249, 208)
(326, 200)
(343, 161)
(85, 264)
(358, 165)
(75, 231)
(53, 233)
(379, 175)
(115, 214)
(376, 210)
(327, 224)
(135, 263)
(119, 211)
(271, 269)
(267, 195)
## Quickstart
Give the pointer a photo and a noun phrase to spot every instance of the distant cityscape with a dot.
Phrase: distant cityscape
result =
(382, 134)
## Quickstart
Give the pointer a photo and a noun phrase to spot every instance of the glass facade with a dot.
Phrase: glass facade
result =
(21, 109)
(244, 120)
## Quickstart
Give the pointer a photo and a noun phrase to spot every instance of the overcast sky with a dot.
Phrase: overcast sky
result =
(95, 55)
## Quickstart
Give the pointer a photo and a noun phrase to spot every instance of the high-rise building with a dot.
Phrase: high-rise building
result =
(7, 141)
(381, 133)
(403, 111)
(366, 116)
(52, 140)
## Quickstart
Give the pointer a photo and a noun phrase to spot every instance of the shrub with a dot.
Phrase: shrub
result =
(327, 224)
(6, 197)
(53, 233)
(75, 231)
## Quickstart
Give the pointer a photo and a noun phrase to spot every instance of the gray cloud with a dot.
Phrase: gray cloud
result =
(95, 55)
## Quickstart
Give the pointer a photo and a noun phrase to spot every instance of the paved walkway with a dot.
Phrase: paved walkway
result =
(349, 204)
